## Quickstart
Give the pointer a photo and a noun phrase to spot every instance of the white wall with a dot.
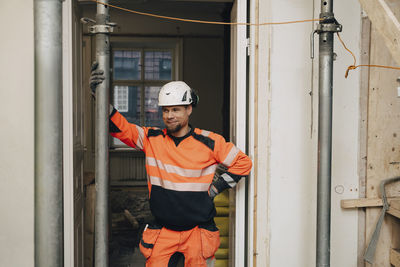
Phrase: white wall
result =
(17, 136)
(287, 137)
(293, 143)
(345, 140)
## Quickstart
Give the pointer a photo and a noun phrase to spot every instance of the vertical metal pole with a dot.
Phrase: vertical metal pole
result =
(324, 139)
(101, 157)
(48, 134)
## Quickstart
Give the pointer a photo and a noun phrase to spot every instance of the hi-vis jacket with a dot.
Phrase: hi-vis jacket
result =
(180, 170)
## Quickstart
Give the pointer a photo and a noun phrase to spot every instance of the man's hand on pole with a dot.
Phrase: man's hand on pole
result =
(96, 77)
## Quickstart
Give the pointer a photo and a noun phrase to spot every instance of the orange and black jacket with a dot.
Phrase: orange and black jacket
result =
(180, 170)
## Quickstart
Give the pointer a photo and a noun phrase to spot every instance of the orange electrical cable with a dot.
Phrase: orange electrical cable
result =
(351, 67)
(354, 66)
(204, 21)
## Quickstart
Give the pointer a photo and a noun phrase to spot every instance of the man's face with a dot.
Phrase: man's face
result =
(176, 117)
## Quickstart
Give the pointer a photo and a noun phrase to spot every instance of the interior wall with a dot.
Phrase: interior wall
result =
(129, 23)
(345, 139)
(286, 139)
(293, 138)
(17, 135)
(203, 53)
(203, 66)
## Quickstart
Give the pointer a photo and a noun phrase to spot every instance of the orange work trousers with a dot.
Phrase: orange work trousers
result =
(197, 245)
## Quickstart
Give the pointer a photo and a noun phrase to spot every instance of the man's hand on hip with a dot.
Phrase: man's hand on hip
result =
(212, 191)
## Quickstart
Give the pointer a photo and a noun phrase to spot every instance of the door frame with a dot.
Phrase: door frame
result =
(72, 181)
(238, 118)
(238, 128)
(68, 149)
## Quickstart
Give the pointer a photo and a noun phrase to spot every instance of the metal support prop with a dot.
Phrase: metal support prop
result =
(101, 138)
(48, 134)
(326, 29)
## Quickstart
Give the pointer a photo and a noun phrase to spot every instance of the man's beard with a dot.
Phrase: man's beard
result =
(174, 129)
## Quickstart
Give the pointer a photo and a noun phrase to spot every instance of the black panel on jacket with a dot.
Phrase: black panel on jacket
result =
(113, 112)
(113, 128)
(205, 140)
(154, 132)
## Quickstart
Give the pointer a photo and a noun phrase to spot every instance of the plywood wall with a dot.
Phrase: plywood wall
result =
(383, 142)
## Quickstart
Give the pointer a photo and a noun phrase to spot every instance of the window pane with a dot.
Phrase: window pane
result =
(126, 65)
(158, 65)
(127, 102)
(121, 98)
(153, 113)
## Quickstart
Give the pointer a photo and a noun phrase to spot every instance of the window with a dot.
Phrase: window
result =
(139, 72)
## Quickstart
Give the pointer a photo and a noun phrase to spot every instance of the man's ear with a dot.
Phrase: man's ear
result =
(189, 109)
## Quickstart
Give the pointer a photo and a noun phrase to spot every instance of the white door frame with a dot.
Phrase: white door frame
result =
(68, 150)
(238, 107)
(238, 117)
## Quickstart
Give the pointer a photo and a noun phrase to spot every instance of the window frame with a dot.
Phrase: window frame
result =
(144, 44)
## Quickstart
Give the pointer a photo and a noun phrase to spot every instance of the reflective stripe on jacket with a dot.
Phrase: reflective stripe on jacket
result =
(180, 172)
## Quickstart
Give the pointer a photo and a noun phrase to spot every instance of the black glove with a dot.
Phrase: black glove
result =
(96, 77)
(212, 191)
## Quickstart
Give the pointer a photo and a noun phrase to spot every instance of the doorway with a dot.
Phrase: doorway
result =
(199, 55)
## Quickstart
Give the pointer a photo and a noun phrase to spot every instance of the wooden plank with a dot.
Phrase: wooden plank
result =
(394, 209)
(395, 257)
(222, 200)
(365, 202)
(363, 133)
(222, 253)
(395, 203)
(360, 203)
(372, 202)
(394, 212)
(383, 18)
(222, 211)
(131, 219)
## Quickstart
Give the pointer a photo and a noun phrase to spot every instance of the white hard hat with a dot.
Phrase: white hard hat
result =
(175, 94)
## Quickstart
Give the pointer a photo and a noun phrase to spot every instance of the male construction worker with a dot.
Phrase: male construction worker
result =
(180, 162)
